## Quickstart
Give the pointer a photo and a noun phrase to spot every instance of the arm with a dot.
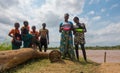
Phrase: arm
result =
(11, 34)
(60, 28)
(72, 27)
(39, 34)
(84, 30)
(48, 36)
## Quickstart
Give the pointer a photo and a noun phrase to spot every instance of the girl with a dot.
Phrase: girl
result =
(79, 38)
(15, 34)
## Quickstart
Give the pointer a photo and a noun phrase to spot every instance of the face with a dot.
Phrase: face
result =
(17, 26)
(25, 24)
(66, 17)
(75, 20)
(33, 28)
(44, 25)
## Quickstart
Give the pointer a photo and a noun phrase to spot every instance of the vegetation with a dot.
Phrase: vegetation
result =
(7, 46)
(117, 47)
(67, 66)
(44, 66)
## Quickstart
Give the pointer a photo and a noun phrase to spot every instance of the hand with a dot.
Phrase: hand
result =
(61, 28)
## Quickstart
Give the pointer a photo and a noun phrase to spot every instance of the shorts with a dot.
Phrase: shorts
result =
(43, 42)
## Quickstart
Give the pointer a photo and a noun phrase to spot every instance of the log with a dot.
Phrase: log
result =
(12, 58)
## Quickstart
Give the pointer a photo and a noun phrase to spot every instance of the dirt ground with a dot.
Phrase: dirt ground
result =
(109, 68)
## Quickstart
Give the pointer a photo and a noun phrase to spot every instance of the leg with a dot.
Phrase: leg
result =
(40, 47)
(45, 48)
(77, 51)
(45, 45)
(84, 52)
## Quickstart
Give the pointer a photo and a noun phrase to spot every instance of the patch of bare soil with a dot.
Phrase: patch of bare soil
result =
(109, 68)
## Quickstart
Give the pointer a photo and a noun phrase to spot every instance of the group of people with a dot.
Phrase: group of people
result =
(29, 38)
(67, 30)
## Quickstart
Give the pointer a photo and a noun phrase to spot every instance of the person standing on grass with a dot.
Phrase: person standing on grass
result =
(44, 37)
(35, 35)
(66, 41)
(79, 37)
(15, 34)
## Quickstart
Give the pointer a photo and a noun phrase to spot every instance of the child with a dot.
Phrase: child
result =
(26, 25)
(44, 37)
(27, 38)
(15, 34)
(35, 34)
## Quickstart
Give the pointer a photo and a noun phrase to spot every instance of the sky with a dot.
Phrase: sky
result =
(102, 18)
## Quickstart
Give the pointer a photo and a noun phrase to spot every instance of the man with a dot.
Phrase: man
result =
(79, 38)
(44, 37)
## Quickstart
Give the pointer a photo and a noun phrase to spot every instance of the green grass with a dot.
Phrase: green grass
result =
(5, 46)
(44, 66)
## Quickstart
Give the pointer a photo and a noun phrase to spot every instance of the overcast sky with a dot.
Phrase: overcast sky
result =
(102, 18)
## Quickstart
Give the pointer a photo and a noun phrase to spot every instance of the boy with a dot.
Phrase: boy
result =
(44, 37)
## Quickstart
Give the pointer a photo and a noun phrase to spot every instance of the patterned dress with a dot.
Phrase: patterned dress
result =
(79, 37)
(66, 42)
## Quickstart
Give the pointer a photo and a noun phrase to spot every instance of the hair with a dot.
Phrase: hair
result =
(33, 27)
(66, 14)
(25, 22)
(76, 18)
(43, 24)
(17, 24)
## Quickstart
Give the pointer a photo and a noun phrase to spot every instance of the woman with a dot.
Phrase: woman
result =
(79, 38)
(66, 42)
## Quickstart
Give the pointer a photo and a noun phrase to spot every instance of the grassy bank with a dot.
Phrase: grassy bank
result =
(44, 66)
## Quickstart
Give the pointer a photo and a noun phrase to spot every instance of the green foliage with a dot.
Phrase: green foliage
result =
(5, 46)
(117, 47)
